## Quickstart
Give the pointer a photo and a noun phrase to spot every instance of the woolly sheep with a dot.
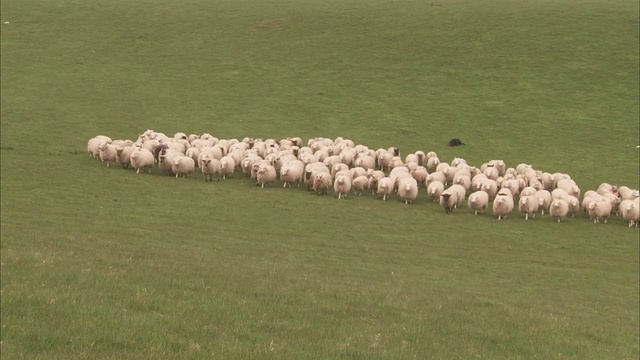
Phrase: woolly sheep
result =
(312, 170)
(461, 193)
(183, 166)
(463, 181)
(626, 193)
(292, 173)
(123, 155)
(366, 162)
(227, 166)
(420, 174)
(94, 143)
(386, 186)
(478, 201)
(107, 152)
(321, 182)
(360, 184)
(142, 158)
(432, 163)
(477, 181)
(408, 189)
(436, 176)
(544, 200)
(599, 210)
(165, 160)
(502, 206)
(630, 211)
(435, 190)
(337, 167)
(569, 186)
(491, 172)
(558, 209)
(491, 188)
(265, 175)
(374, 179)
(528, 205)
(528, 191)
(448, 200)
(210, 167)
(342, 185)
(574, 205)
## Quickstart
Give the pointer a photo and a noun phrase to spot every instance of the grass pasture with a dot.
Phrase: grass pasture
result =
(102, 263)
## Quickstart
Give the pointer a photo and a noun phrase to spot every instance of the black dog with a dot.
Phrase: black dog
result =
(455, 142)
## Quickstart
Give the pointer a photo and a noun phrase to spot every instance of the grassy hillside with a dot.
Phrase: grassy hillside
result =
(102, 263)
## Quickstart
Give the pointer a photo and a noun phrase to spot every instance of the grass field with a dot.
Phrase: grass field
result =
(101, 263)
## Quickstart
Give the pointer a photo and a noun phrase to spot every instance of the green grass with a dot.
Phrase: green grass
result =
(102, 263)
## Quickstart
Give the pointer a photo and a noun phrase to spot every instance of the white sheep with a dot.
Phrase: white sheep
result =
(569, 186)
(342, 185)
(478, 201)
(558, 209)
(265, 175)
(292, 173)
(408, 189)
(386, 186)
(436, 176)
(227, 166)
(321, 182)
(374, 179)
(626, 193)
(183, 166)
(528, 205)
(448, 200)
(461, 193)
(490, 186)
(107, 152)
(141, 158)
(630, 211)
(544, 200)
(210, 167)
(599, 210)
(94, 143)
(502, 206)
(360, 184)
(420, 173)
(432, 163)
(435, 190)
(123, 155)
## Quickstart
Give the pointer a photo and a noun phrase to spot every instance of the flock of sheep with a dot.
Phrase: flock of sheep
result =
(347, 167)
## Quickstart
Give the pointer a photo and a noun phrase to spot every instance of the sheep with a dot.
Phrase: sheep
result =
(420, 174)
(123, 155)
(321, 182)
(94, 143)
(210, 167)
(491, 188)
(461, 193)
(360, 184)
(502, 206)
(337, 167)
(227, 166)
(182, 166)
(574, 205)
(292, 173)
(385, 187)
(366, 162)
(265, 175)
(436, 176)
(599, 210)
(463, 181)
(342, 185)
(491, 172)
(408, 189)
(374, 179)
(544, 200)
(142, 158)
(626, 193)
(435, 189)
(477, 181)
(512, 185)
(558, 209)
(165, 160)
(569, 186)
(528, 191)
(194, 153)
(528, 205)
(478, 201)
(630, 211)
(107, 152)
(448, 200)
(432, 163)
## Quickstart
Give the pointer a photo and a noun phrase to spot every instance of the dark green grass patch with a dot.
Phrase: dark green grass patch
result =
(104, 263)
